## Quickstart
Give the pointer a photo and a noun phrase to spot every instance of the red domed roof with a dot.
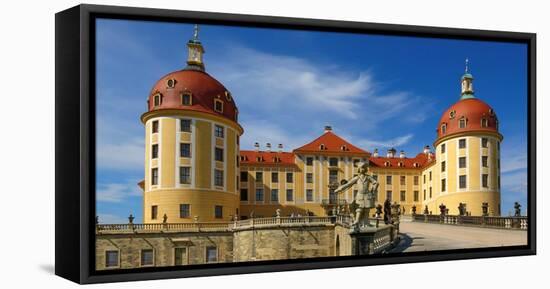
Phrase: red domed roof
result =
(204, 91)
(478, 115)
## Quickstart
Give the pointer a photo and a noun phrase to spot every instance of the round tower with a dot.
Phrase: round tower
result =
(191, 146)
(468, 155)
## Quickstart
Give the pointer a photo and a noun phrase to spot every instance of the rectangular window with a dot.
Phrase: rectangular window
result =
(443, 148)
(289, 177)
(155, 126)
(485, 180)
(462, 181)
(186, 99)
(443, 185)
(402, 195)
(154, 176)
(309, 178)
(424, 195)
(388, 195)
(424, 179)
(484, 142)
(333, 176)
(309, 161)
(275, 195)
(289, 195)
(180, 256)
(259, 195)
(218, 154)
(430, 175)
(462, 162)
(333, 162)
(185, 175)
(388, 180)
(415, 196)
(244, 194)
(462, 123)
(185, 211)
(154, 212)
(185, 150)
(402, 180)
(211, 254)
(259, 177)
(275, 177)
(111, 258)
(309, 195)
(244, 176)
(462, 143)
(218, 212)
(185, 125)
(218, 131)
(443, 166)
(155, 151)
(218, 178)
(415, 180)
(147, 257)
(218, 105)
(485, 161)
(430, 192)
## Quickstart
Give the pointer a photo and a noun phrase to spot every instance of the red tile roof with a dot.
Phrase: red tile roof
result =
(265, 158)
(332, 144)
(419, 161)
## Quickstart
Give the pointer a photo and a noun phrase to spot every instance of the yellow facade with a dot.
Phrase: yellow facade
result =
(198, 191)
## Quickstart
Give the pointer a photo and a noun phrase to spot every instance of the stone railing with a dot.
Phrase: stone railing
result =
(520, 223)
(283, 221)
(382, 240)
(163, 227)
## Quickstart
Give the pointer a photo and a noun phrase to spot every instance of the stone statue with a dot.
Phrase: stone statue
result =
(367, 188)
(485, 209)
(426, 212)
(414, 209)
(387, 211)
(131, 219)
(378, 210)
(517, 209)
(278, 212)
(164, 219)
(460, 209)
(96, 220)
(442, 209)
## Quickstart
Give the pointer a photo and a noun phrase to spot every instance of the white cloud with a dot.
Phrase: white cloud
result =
(117, 192)
(513, 161)
(371, 144)
(514, 183)
(124, 155)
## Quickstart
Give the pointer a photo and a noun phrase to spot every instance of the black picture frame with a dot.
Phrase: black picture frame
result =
(75, 142)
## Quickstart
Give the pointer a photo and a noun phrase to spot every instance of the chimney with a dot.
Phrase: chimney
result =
(328, 128)
(280, 147)
(427, 149)
(257, 146)
(402, 154)
(391, 153)
(268, 146)
(375, 153)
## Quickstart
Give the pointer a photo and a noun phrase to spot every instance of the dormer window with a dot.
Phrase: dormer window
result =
(387, 164)
(484, 122)
(171, 83)
(322, 147)
(228, 96)
(344, 148)
(462, 123)
(452, 114)
(186, 98)
(444, 128)
(218, 105)
(259, 159)
(276, 160)
(236, 114)
(157, 99)
(401, 164)
(416, 165)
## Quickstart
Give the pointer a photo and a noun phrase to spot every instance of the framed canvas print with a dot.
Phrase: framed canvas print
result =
(195, 144)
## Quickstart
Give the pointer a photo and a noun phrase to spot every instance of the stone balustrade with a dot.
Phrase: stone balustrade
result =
(520, 223)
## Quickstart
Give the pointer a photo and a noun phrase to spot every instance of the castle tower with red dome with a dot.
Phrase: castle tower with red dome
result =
(467, 167)
(191, 146)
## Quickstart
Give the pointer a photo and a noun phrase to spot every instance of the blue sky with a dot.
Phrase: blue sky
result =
(376, 91)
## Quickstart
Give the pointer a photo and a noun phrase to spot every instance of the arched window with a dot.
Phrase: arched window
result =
(387, 164)
(322, 147)
(344, 148)
(484, 122)
(444, 128)
(462, 122)
(157, 99)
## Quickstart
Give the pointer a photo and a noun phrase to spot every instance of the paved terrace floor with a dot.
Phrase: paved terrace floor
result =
(417, 236)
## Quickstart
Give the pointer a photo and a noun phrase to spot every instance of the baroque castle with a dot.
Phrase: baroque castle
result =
(196, 171)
